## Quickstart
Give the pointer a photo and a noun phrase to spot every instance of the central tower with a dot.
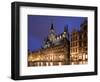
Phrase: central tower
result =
(52, 35)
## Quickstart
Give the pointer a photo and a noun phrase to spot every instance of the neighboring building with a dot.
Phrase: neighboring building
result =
(74, 46)
(84, 42)
(78, 45)
(56, 50)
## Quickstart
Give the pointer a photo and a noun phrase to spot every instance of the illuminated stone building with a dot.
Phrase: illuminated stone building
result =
(56, 50)
(62, 49)
(84, 42)
(74, 46)
(78, 45)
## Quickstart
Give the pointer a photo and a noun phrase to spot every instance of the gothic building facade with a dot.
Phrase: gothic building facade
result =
(55, 51)
(62, 49)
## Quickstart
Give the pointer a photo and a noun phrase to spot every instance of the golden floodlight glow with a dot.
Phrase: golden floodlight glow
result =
(62, 49)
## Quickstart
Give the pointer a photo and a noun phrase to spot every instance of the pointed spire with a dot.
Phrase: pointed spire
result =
(51, 27)
(66, 28)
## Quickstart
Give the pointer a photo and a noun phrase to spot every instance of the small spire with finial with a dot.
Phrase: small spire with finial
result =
(66, 28)
(52, 28)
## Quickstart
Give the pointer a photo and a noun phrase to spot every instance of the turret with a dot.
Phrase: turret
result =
(52, 35)
(65, 33)
(66, 28)
(52, 29)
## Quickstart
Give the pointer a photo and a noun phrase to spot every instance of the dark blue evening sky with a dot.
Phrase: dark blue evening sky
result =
(38, 27)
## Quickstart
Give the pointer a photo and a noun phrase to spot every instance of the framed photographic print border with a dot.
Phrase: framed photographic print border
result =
(15, 41)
